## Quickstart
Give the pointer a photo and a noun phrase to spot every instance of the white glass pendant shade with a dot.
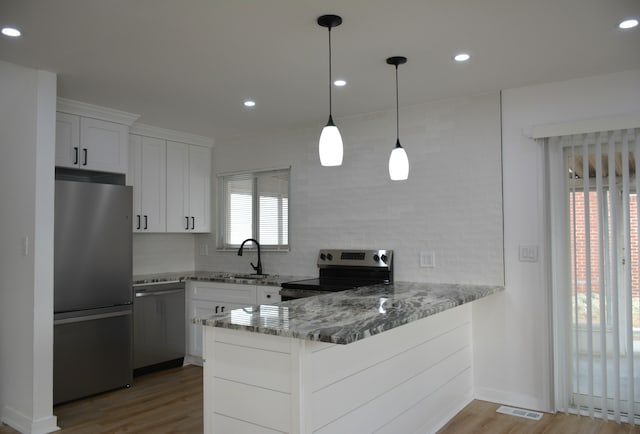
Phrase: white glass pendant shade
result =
(330, 146)
(398, 164)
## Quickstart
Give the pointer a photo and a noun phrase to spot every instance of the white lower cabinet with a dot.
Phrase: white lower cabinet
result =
(210, 298)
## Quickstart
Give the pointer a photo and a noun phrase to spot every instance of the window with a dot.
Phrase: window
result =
(255, 205)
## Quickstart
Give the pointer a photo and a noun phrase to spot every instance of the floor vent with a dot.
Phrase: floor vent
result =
(527, 414)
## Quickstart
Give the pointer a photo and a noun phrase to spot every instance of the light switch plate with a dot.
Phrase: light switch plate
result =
(528, 253)
(427, 259)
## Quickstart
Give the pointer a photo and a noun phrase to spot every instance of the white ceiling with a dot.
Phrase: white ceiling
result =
(188, 65)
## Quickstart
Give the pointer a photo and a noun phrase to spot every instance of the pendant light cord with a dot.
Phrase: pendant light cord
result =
(330, 99)
(397, 110)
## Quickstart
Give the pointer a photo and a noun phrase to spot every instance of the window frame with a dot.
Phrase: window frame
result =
(223, 206)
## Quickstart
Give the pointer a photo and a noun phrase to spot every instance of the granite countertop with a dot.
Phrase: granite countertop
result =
(215, 276)
(349, 316)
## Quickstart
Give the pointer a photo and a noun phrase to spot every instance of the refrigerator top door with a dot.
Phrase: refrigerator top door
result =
(93, 252)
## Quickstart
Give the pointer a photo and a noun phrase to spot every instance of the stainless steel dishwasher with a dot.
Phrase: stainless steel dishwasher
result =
(158, 326)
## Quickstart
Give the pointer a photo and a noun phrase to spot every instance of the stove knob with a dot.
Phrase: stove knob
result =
(329, 256)
(323, 256)
(376, 258)
(384, 258)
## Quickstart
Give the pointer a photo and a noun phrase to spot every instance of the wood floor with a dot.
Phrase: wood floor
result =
(163, 402)
(480, 417)
(171, 402)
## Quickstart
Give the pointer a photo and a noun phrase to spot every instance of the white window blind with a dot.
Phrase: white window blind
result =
(255, 205)
(598, 319)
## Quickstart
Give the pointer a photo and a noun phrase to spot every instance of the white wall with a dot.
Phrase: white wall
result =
(450, 205)
(27, 133)
(513, 348)
(160, 253)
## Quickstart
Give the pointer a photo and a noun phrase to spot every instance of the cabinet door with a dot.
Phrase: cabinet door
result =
(67, 140)
(104, 145)
(153, 185)
(178, 187)
(200, 188)
(147, 171)
(198, 308)
(134, 178)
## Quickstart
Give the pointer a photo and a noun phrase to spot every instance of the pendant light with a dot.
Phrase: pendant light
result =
(398, 161)
(330, 145)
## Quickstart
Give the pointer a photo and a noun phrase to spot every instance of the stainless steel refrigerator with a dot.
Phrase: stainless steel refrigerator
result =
(92, 289)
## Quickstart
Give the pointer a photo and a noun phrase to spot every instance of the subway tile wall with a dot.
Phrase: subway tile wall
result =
(451, 204)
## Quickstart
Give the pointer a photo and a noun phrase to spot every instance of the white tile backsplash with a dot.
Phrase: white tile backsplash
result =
(450, 205)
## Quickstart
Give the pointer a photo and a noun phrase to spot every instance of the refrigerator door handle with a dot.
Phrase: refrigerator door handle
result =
(157, 293)
(91, 317)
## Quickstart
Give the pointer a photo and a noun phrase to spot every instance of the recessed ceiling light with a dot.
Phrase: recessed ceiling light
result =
(462, 57)
(249, 103)
(340, 83)
(628, 24)
(11, 32)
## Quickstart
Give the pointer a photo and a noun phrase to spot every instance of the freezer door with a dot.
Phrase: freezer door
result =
(93, 253)
(92, 352)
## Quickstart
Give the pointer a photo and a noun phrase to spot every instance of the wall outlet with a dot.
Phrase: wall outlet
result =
(427, 259)
(204, 249)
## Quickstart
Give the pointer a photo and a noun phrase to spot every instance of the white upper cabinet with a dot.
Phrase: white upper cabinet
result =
(188, 188)
(92, 137)
(91, 144)
(147, 172)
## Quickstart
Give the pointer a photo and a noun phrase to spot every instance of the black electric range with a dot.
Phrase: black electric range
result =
(340, 270)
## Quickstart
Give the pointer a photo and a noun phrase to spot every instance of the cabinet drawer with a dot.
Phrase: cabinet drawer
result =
(268, 294)
(222, 292)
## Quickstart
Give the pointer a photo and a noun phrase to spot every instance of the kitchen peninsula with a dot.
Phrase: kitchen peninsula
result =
(384, 358)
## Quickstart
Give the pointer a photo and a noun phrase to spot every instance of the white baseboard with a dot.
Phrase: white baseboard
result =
(450, 415)
(26, 425)
(192, 360)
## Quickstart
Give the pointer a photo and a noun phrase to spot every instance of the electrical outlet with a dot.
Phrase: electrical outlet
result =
(204, 249)
(427, 259)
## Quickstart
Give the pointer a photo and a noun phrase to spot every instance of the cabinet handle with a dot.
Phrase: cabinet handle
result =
(187, 227)
(222, 309)
(146, 226)
(86, 154)
(138, 221)
(193, 223)
(75, 158)
(268, 295)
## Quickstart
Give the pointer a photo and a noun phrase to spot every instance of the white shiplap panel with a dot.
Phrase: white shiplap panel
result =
(253, 340)
(227, 425)
(383, 409)
(341, 361)
(255, 405)
(434, 411)
(380, 378)
(253, 366)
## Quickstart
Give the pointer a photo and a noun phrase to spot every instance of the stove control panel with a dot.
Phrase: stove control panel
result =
(355, 258)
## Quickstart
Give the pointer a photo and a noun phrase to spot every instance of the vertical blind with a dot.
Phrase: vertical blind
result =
(600, 366)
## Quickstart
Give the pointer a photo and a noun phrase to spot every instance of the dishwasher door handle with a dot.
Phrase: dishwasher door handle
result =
(155, 293)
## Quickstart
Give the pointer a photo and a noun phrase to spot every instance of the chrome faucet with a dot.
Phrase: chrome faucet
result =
(257, 268)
